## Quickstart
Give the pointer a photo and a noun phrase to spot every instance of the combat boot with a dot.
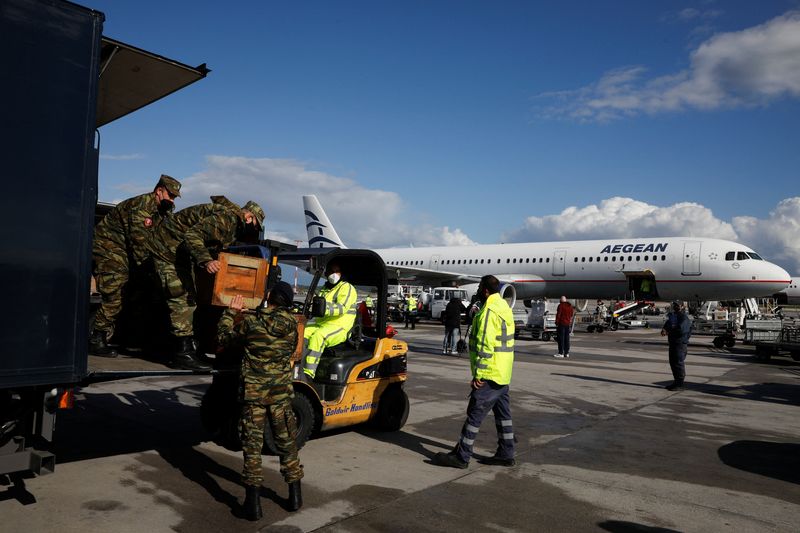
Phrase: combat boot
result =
(185, 358)
(98, 345)
(252, 503)
(295, 496)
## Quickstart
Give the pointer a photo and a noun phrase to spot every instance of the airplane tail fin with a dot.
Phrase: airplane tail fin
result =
(318, 226)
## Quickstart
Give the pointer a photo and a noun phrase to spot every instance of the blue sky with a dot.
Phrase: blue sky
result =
(456, 122)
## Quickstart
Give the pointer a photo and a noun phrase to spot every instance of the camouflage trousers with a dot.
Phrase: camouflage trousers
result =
(177, 287)
(111, 276)
(284, 430)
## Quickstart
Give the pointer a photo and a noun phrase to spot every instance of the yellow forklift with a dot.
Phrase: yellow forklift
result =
(358, 381)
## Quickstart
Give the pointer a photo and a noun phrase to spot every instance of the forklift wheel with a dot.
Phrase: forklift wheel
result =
(393, 410)
(546, 337)
(600, 329)
(305, 417)
(590, 329)
(719, 342)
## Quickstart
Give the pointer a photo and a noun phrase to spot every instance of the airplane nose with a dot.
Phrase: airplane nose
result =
(779, 277)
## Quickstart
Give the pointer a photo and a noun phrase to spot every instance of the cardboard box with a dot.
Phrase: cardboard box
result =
(240, 274)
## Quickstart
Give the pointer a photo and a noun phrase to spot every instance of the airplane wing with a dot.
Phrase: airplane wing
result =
(429, 277)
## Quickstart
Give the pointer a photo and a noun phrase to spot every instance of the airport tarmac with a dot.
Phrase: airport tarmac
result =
(602, 446)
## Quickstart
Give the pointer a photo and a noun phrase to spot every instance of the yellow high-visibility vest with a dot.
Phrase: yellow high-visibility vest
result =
(491, 341)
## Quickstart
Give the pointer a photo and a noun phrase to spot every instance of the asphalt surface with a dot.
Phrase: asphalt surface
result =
(602, 446)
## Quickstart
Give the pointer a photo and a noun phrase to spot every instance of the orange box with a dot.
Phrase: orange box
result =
(240, 274)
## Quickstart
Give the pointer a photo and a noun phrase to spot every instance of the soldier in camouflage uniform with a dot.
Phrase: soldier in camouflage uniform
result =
(269, 338)
(120, 247)
(188, 238)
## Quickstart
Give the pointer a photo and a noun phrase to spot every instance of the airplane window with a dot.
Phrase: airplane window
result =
(583, 259)
(548, 260)
(576, 259)
(638, 257)
(730, 256)
(646, 257)
(630, 258)
(590, 259)
(754, 255)
(508, 260)
(598, 259)
(614, 259)
(741, 256)
(498, 260)
(663, 257)
(605, 259)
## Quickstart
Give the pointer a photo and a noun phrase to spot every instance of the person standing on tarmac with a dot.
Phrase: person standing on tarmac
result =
(189, 238)
(334, 326)
(678, 329)
(269, 338)
(119, 249)
(564, 315)
(452, 324)
(411, 311)
(491, 358)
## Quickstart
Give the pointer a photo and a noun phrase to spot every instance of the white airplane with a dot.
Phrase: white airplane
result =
(677, 268)
(791, 294)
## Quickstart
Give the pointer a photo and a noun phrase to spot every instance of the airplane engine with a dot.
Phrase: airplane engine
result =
(507, 292)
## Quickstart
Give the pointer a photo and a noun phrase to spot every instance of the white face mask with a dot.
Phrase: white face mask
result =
(334, 278)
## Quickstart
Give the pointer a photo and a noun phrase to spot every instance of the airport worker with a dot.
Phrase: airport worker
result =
(452, 324)
(368, 302)
(491, 358)
(268, 339)
(564, 315)
(188, 238)
(120, 247)
(411, 311)
(601, 312)
(334, 326)
(645, 288)
(677, 328)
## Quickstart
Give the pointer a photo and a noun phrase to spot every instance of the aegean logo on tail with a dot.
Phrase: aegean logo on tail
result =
(641, 247)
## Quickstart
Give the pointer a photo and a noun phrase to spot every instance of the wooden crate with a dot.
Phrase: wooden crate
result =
(240, 274)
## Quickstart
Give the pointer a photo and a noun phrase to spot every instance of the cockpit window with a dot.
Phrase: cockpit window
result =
(755, 256)
(741, 256)
(730, 256)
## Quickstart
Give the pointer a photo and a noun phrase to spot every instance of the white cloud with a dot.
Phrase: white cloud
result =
(121, 157)
(777, 237)
(745, 68)
(362, 216)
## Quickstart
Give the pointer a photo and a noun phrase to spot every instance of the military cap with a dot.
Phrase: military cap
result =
(284, 289)
(256, 210)
(172, 185)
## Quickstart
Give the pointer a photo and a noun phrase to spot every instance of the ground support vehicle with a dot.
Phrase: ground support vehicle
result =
(771, 337)
(540, 323)
(360, 380)
(441, 296)
(623, 317)
(62, 79)
(723, 331)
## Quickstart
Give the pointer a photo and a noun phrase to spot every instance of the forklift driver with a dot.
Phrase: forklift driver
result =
(334, 326)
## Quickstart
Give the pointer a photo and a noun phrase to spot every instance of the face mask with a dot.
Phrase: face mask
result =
(334, 278)
(165, 206)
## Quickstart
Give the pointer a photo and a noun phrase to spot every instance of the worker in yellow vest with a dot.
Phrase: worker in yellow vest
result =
(411, 311)
(334, 326)
(491, 358)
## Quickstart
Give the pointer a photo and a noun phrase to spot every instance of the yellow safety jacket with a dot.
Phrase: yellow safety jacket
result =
(341, 306)
(411, 304)
(491, 341)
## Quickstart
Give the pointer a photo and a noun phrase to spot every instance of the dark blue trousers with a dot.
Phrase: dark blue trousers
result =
(492, 397)
(562, 335)
(677, 356)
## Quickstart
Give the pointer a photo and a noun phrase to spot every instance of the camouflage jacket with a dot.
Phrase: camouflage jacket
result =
(129, 227)
(201, 227)
(268, 338)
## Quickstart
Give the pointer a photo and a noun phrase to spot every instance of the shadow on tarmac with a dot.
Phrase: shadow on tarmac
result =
(405, 440)
(659, 385)
(17, 490)
(778, 460)
(621, 526)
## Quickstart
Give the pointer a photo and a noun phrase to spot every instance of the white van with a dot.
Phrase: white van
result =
(442, 296)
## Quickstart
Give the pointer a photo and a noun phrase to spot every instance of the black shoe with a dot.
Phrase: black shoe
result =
(449, 459)
(498, 461)
(675, 386)
(252, 503)
(99, 346)
(185, 357)
(295, 501)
